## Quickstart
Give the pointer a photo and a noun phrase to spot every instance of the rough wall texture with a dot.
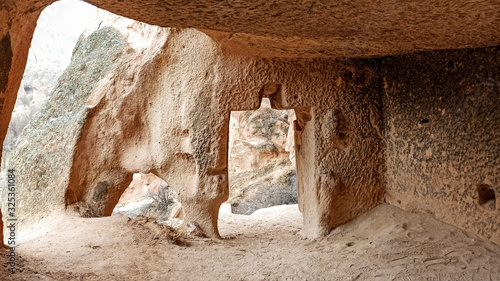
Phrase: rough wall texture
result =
(50, 54)
(313, 28)
(340, 150)
(43, 154)
(145, 117)
(282, 28)
(442, 114)
(338, 132)
(172, 117)
(166, 110)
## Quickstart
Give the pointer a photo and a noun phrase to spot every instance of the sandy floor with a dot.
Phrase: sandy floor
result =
(383, 244)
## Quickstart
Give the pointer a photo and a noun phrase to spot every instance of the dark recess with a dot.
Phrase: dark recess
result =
(485, 194)
(5, 62)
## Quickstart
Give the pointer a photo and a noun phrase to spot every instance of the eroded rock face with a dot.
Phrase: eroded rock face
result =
(153, 124)
(166, 110)
(15, 38)
(338, 135)
(55, 37)
(259, 169)
(178, 130)
(443, 141)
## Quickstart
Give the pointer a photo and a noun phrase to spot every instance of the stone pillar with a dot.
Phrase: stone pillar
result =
(209, 188)
(339, 166)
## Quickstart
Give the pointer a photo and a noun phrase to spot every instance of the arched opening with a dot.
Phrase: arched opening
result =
(151, 197)
(67, 58)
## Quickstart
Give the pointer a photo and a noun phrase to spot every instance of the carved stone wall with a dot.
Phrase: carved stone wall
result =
(443, 143)
(252, 49)
(169, 113)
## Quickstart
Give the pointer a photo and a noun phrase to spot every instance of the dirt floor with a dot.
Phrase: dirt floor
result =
(383, 244)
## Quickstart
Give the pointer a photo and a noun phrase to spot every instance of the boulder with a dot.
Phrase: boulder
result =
(271, 185)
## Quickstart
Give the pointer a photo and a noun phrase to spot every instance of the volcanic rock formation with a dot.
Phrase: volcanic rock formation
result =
(419, 127)
(167, 112)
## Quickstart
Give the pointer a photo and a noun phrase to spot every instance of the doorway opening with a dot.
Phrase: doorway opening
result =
(261, 159)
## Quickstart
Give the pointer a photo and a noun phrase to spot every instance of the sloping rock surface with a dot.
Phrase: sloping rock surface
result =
(43, 155)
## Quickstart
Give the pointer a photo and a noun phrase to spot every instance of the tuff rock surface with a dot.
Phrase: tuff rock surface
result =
(307, 56)
(170, 136)
(144, 116)
(313, 28)
(58, 29)
(259, 169)
(443, 143)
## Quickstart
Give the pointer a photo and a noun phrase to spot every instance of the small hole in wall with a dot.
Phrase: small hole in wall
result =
(348, 75)
(486, 196)
(28, 89)
(424, 121)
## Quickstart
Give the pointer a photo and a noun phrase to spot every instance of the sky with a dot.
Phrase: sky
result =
(69, 16)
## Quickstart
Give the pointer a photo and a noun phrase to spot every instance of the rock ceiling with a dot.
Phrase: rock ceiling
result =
(314, 28)
(318, 28)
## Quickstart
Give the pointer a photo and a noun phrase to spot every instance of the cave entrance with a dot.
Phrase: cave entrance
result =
(58, 29)
(261, 164)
